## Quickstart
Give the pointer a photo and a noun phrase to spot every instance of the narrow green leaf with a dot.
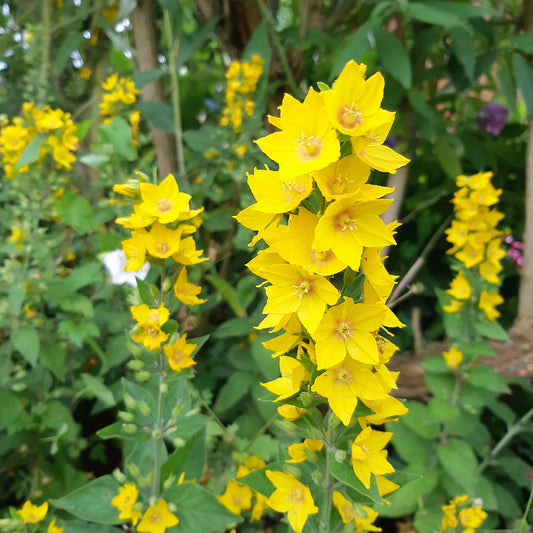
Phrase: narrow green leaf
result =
(234, 390)
(15, 296)
(72, 41)
(94, 160)
(228, 292)
(355, 48)
(448, 158)
(54, 356)
(523, 73)
(464, 48)
(344, 472)
(118, 134)
(145, 292)
(96, 388)
(490, 330)
(92, 502)
(393, 57)
(486, 377)
(26, 341)
(258, 481)
(193, 43)
(30, 154)
(523, 42)
(432, 14)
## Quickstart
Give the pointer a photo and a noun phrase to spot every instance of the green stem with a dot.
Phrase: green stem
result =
(267, 15)
(511, 432)
(158, 429)
(324, 526)
(261, 431)
(173, 48)
(523, 523)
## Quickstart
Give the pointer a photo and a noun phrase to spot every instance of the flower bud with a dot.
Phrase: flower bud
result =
(152, 501)
(119, 476)
(135, 364)
(177, 410)
(317, 477)
(163, 388)
(340, 456)
(143, 482)
(126, 416)
(143, 375)
(134, 470)
(143, 408)
(156, 433)
(169, 481)
(178, 442)
(129, 428)
(167, 285)
(129, 400)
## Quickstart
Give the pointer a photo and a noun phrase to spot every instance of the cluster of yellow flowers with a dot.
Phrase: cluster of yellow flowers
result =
(53, 127)
(469, 518)
(320, 217)
(119, 95)
(33, 514)
(238, 497)
(156, 518)
(241, 81)
(161, 225)
(477, 244)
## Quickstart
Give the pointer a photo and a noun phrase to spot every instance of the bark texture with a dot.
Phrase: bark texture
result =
(146, 41)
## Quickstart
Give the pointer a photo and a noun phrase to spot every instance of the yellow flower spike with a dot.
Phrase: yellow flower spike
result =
(157, 519)
(346, 227)
(179, 354)
(344, 384)
(368, 455)
(306, 141)
(32, 514)
(164, 201)
(291, 497)
(293, 374)
(124, 502)
(346, 329)
(186, 292)
(453, 357)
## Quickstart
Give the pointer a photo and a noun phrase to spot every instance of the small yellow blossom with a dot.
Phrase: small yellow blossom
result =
(157, 519)
(453, 357)
(31, 514)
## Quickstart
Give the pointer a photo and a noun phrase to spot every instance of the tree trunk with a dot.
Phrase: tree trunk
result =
(146, 43)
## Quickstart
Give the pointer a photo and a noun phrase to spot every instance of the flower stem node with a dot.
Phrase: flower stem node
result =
(306, 398)
(129, 428)
(156, 433)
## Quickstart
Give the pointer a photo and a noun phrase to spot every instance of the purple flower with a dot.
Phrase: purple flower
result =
(492, 118)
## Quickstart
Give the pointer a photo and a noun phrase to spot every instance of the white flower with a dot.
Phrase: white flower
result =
(115, 261)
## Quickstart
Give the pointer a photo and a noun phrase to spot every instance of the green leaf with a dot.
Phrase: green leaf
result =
(448, 158)
(432, 14)
(159, 114)
(82, 128)
(523, 73)
(116, 431)
(182, 460)
(203, 139)
(77, 331)
(7, 398)
(30, 154)
(518, 470)
(76, 212)
(119, 62)
(465, 10)
(92, 502)
(234, 390)
(193, 42)
(356, 47)
(464, 48)
(15, 296)
(440, 384)
(54, 356)
(235, 327)
(96, 388)
(94, 160)
(228, 292)
(442, 410)
(436, 364)
(410, 446)
(475, 349)
(419, 419)
(394, 57)
(458, 459)
(26, 341)
(485, 377)
(118, 134)
(72, 41)
(198, 510)
(490, 329)
(344, 472)
(523, 42)
(258, 481)
(144, 78)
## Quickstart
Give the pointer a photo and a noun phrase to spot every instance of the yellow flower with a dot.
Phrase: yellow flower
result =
(291, 412)
(293, 374)
(460, 288)
(453, 307)
(157, 519)
(236, 497)
(346, 329)
(487, 302)
(135, 250)
(164, 201)
(31, 514)
(150, 320)
(163, 242)
(368, 455)
(344, 507)
(307, 141)
(294, 290)
(124, 502)
(453, 357)
(145, 315)
(299, 452)
(85, 73)
(344, 383)
(187, 292)
(472, 517)
(291, 497)
(366, 524)
(348, 225)
(179, 354)
(52, 528)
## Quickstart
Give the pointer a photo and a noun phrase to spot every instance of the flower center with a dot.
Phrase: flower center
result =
(151, 331)
(296, 495)
(350, 116)
(343, 376)
(344, 330)
(162, 248)
(345, 222)
(320, 257)
(164, 205)
(310, 147)
(304, 287)
(156, 518)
